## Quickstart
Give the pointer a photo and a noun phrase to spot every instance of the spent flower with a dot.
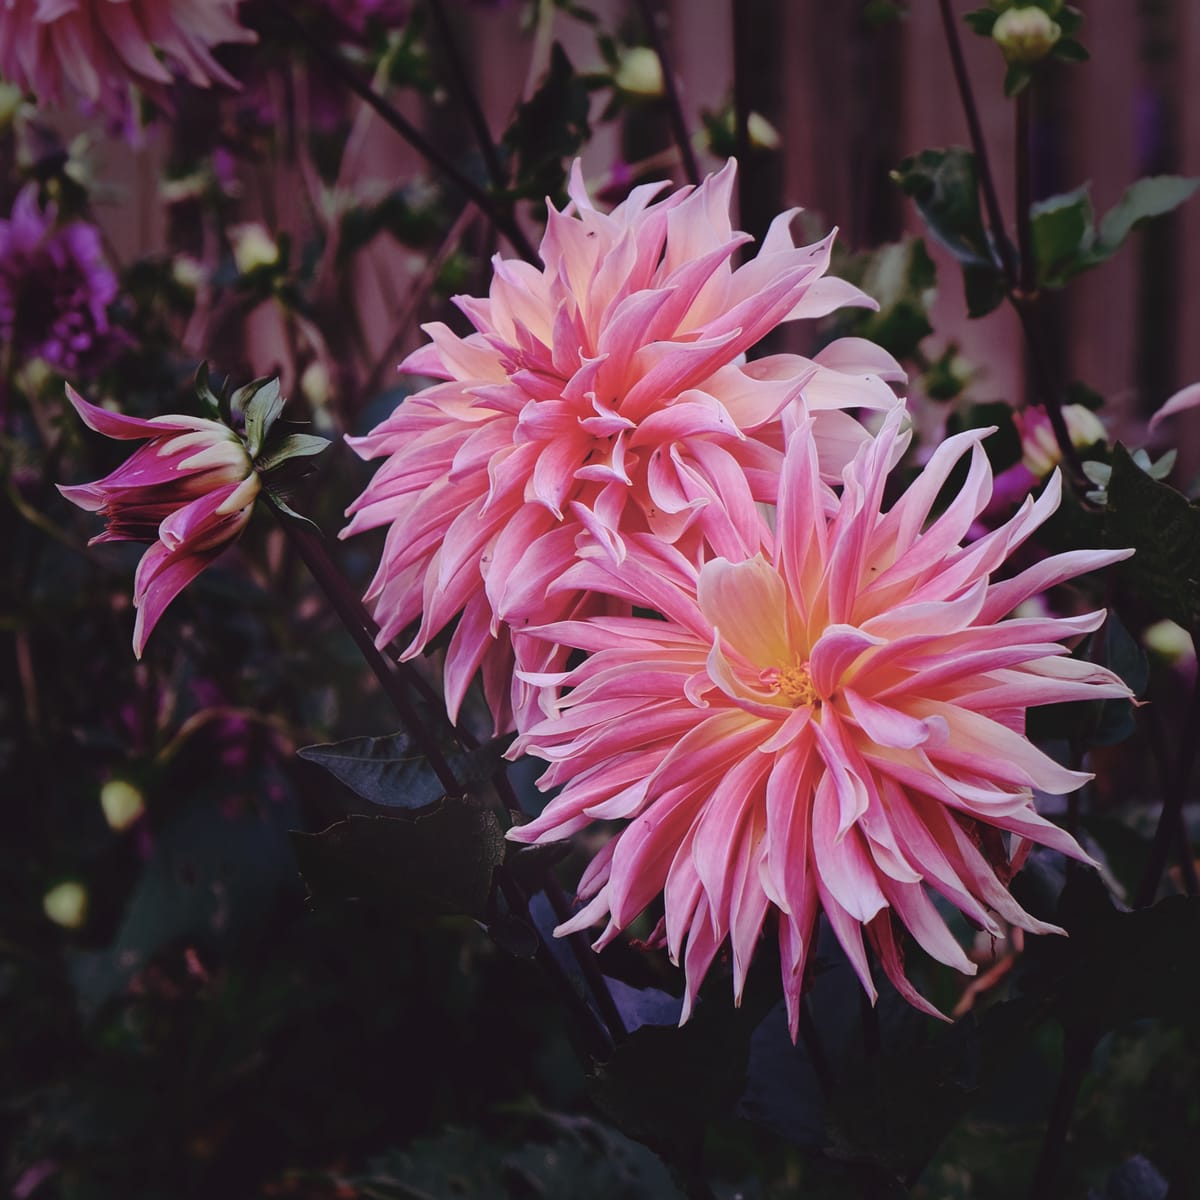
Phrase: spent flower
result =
(836, 726)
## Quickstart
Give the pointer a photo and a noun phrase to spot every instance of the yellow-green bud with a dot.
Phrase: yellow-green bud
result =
(1168, 641)
(640, 72)
(122, 804)
(66, 904)
(10, 103)
(253, 247)
(1025, 35)
(763, 135)
(315, 384)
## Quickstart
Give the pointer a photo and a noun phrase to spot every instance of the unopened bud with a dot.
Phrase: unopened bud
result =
(315, 384)
(1168, 641)
(253, 247)
(10, 103)
(640, 72)
(66, 904)
(763, 135)
(1025, 35)
(122, 804)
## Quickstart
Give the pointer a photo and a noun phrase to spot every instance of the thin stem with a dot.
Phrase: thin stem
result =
(599, 1039)
(310, 546)
(987, 183)
(1077, 1058)
(336, 65)
(1171, 826)
(816, 1052)
(1046, 387)
(1024, 177)
(679, 126)
(589, 964)
(462, 78)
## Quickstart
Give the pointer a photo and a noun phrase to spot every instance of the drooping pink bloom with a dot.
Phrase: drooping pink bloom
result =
(189, 490)
(604, 393)
(98, 49)
(832, 728)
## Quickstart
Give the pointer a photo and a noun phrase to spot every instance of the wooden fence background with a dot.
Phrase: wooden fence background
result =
(850, 99)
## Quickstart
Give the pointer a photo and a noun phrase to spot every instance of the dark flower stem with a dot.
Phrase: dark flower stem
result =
(462, 78)
(310, 546)
(987, 182)
(1027, 280)
(500, 217)
(679, 125)
(1171, 827)
(1077, 1059)
(396, 679)
(1019, 272)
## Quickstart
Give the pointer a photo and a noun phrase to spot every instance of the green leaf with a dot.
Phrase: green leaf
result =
(902, 278)
(276, 498)
(983, 288)
(1143, 200)
(205, 393)
(982, 21)
(1069, 50)
(945, 189)
(1063, 231)
(262, 411)
(1017, 78)
(390, 772)
(549, 128)
(1163, 527)
(294, 445)
(434, 863)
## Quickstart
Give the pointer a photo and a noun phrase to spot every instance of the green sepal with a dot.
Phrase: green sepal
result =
(1017, 78)
(291, 446)
(204, 391)
(1069, 50)
(262, 409)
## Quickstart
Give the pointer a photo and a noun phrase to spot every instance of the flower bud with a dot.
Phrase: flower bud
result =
(253, 247)
(122, 804)
(640, 72)
(1025, 35)
(66, 904)
(1039, 447)
(1169, 641)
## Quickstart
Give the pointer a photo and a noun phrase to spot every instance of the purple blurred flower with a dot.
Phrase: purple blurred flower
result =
(55, 288)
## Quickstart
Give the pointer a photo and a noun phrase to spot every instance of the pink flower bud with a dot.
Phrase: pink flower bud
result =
(189, 490)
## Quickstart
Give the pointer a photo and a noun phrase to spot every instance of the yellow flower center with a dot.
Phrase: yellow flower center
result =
(793, 684)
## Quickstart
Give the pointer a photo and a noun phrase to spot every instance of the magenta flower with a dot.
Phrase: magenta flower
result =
(189, 490)
(604, 394)
(836, 727)
(98, 49)
(55, 288)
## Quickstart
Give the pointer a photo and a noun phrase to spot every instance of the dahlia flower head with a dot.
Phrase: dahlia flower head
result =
(602, 395)
(55, 288)
(833, 725)
(189, 491)
(98, 49)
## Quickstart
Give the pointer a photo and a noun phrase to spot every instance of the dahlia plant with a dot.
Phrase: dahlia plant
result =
(825, 728)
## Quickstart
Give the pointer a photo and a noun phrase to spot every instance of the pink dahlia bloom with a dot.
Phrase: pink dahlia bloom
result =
(189, 490)
(832, 727)
(605, 394)
(97, 49)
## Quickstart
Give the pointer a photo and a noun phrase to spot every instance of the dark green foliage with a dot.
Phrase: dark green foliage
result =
(437, 862)
(1163, 527)
(548, 130)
